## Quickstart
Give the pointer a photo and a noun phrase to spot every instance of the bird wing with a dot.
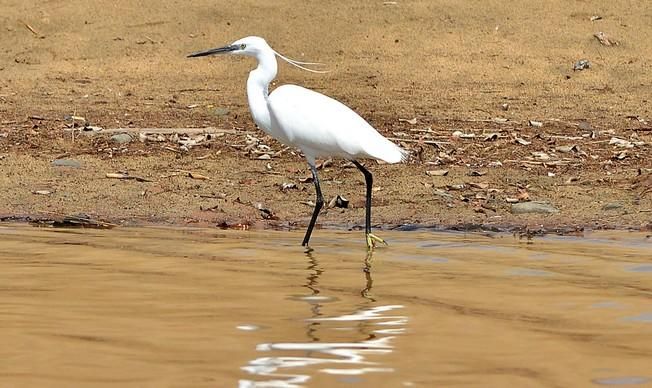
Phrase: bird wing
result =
(322, 126)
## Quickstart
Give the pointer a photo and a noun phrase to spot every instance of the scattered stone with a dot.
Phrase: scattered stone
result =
(66, 163)
(221, 111)
(538, 207)
(444, 194)
(612, 206)
(585, 126)
(121, 138)
(582, 64)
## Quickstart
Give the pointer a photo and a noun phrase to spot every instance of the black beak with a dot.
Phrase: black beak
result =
(213, 51)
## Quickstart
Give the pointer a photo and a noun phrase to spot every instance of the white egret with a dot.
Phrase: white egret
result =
(316, 124)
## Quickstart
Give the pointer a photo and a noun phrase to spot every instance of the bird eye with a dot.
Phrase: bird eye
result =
(243, 46)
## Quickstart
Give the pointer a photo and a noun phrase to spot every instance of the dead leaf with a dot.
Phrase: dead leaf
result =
(125, 176)
(522, 141)
(42, 192)
(567, 149)
(605, 40)
(463, 135)
(437, 172)
(621, 155)
(409, 121)
(621, 142)
(339, 202)
(288, 186)
(324, 164)
(536, 124)
(266, 213)
(195, 175)
(479, 185)
(541, 155)
(491, 137)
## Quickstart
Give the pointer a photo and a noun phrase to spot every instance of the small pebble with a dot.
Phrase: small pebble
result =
(121, 138)
(533, 207)
(66, 163)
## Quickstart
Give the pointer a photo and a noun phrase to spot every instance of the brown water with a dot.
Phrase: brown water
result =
(192, 308)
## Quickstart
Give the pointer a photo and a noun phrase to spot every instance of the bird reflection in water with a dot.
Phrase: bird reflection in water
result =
(376, 323)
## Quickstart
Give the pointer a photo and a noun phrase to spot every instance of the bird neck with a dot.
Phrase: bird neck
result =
(258, 89)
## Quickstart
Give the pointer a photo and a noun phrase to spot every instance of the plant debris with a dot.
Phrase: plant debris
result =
(339, 202)
(605, 40)
(437, 172)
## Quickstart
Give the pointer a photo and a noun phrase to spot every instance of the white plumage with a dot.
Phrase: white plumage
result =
(316, 124)
(321, 127)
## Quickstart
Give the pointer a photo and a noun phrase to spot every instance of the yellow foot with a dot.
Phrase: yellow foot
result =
(372, 239)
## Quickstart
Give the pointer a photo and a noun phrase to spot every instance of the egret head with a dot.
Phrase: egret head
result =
(253, 46)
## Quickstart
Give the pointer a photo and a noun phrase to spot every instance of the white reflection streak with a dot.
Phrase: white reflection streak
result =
(366, 315)
(345, 353)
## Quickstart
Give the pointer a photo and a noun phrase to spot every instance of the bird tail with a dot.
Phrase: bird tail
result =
(388, 152)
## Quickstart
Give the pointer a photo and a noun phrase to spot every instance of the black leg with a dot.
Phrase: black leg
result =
(369, 180)
(318, 205)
